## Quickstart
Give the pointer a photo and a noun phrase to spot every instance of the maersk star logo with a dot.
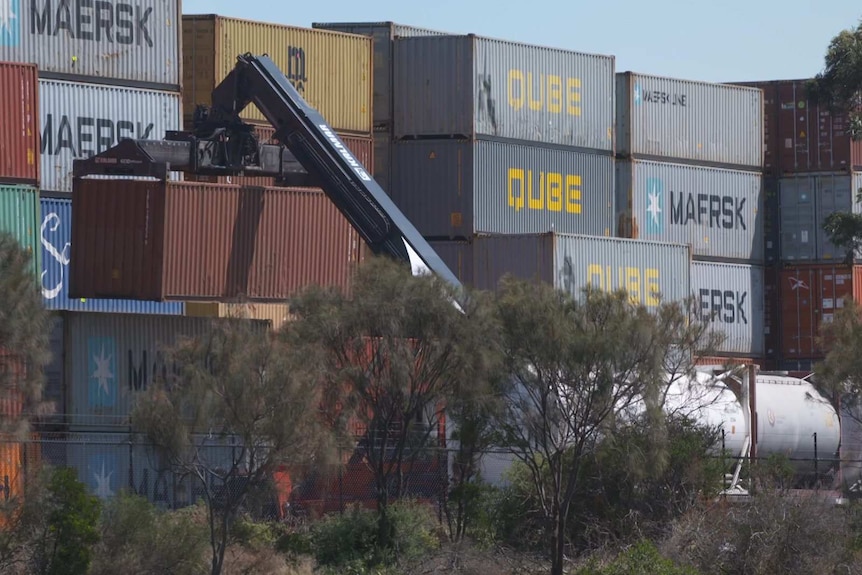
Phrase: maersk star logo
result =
(101, 474)
(10, 25)
(654, 202)
(102, 362)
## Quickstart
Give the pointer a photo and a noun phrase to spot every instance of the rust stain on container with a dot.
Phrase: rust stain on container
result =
(331, 70)
(19, 127)
(362, 148)
(810, 296)
(193, 241)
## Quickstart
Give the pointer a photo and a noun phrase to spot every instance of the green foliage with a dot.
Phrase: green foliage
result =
(349, 543)
(844, 229)
(71, 529)
(840, 82)
(138, 538)
(639, 559)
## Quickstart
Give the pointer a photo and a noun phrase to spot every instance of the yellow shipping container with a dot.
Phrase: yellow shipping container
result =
(331, 70)
(276, 313)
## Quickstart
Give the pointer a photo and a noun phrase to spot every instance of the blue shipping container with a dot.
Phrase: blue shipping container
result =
(56, 237)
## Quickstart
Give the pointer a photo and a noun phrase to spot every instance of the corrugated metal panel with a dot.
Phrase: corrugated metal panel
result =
(111, 358)
(137, 41)
(19, 216)
(80, 120)
(451, 188)
(275, 313)
(719, 212)
(772, 312)
(688, 120)
(187, 241)
(332, 71)
(383, 159)
(771, 221)
(56, 237)
(730, 297)
(470, 86)
(382, 34)
(54, 390)
(13, 469)
(108, 463)
(19, 131)
(810, 295)
(571, 262)
(805, 202)
(360, 146)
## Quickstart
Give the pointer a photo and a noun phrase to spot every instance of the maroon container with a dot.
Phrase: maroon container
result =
(19, 123)
(194, 241)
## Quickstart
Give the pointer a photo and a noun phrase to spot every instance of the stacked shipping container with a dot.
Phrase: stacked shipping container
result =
(810, 166)
(689, 157)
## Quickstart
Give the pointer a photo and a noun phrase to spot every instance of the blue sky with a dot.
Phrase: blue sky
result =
(706, 40)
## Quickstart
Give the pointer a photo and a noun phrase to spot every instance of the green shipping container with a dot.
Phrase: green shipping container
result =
(20, 216)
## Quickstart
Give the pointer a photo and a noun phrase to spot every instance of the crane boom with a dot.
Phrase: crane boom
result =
(309, 153)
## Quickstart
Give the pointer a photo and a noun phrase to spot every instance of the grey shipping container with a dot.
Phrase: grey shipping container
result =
(730, 298)
(79, 120)
(383, 159)
(771, 221)
(570, 262)
(133, 41)
(383, 35)
(456, 188)
(715, 124)
(718, 211)
(805, 203)
(108, 463)
(469, 86)
(111, 358)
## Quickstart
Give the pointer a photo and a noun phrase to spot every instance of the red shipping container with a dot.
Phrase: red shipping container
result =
(151, 240)
(19, 123)
(362, 148)
(810, 295)
(802, 136)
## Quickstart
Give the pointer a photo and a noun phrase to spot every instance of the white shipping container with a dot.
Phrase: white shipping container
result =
(717, 124)
(718, 212)
(79, 120)
(122, 40)
(731, 298)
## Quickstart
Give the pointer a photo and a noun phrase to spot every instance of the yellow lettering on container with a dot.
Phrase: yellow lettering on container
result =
(642, 284)
(516, 175)
(538, 190)
(573, 96)
(544, 92)
(516, 77)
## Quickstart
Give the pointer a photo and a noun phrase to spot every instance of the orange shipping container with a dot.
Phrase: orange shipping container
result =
(19, 123)
(331, 70)
(810, 295)
(161, 241)
(362, 148)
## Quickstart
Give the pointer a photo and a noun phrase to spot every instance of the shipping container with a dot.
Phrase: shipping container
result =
(383, 159)
(730, 298)
(80, 120)
(810, 296)
(383, 35)
(714, 124)
(806, 136)
(111, 463)
(131, 42)
(805, 203)
(469, 86)
(362, 148)
(331, 70)
(19, 130)
(277, 314)
(56, 237)
(13, 468)
(456, 188)
(110, 358)
(771, 221)
(719, 212)
(772, 312)
(570, 262)
(19, 216)
(190, 241)
(54, 389)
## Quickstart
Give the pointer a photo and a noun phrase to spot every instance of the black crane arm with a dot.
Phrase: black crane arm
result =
(309, 153)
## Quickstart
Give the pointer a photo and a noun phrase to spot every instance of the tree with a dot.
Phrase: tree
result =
(395, 350)
(247, 389)
(24, 330)
(839, 375)
(578, 367)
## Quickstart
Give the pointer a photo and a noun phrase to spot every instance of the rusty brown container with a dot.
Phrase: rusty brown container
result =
(803, 136)
(19, 123)
(361, 147)
(194, 241)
